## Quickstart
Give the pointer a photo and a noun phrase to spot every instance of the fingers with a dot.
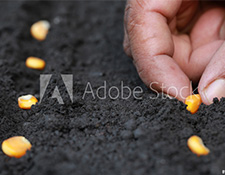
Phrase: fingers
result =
(161, 73)
(151, 45)
(212, 83)
(205, 40)
(199, 59)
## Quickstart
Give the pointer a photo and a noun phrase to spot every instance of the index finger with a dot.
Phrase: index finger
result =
(152, 45)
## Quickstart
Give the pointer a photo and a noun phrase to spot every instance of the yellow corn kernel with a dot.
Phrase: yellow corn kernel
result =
(39, 30)
(196, 145)
(26, 101)
(35, 63)
(16, 146)
(193, 102)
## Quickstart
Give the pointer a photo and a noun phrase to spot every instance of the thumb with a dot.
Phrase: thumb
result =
(212, 83)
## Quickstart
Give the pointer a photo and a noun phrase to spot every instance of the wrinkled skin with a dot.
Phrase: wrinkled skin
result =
(174, 43)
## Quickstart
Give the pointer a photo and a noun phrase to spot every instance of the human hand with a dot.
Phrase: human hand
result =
(176, 42)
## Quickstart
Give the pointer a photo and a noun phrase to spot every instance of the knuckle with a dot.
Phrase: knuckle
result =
(140, 4)
(126, 13)
(133, 15)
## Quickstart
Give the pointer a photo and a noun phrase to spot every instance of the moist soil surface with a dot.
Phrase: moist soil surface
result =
(89, 134)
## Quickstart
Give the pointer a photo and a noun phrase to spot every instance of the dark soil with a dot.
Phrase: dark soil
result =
(93, 136)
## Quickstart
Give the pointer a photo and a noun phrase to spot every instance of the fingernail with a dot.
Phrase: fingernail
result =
(215, 90)
(222, 31)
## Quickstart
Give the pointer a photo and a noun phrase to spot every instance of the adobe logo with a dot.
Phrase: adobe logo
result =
(54, 81)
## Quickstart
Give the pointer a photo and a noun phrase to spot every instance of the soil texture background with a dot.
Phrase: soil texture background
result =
(93, 136)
